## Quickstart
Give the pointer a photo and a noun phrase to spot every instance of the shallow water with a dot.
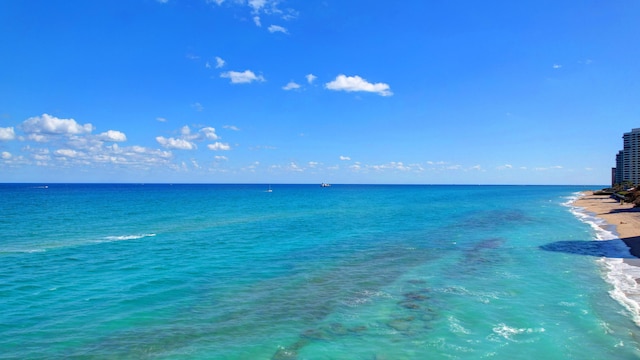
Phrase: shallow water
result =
(304, 272)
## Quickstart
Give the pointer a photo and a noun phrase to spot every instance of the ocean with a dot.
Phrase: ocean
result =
(159, 271)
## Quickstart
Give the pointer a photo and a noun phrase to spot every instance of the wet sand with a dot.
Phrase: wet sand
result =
(624, 217)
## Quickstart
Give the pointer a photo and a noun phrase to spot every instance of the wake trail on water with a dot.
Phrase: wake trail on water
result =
(39, 248)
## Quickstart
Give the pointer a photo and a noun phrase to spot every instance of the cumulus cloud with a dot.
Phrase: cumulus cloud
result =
(244, 77)
(276, 28)
(209, 133)
(7, 133)
(219, 62)
(356, 83)
(67, 153)
(256, 5)
(557, 66)
(311, 78)
(231, 127)
(173, 143)
(51, 125)
(185, 131)
(344, 158)
(291, 86)
(218, 146)
(5, 155)
(112, 135)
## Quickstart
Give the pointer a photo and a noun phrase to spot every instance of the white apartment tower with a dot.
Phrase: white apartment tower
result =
(629, 168)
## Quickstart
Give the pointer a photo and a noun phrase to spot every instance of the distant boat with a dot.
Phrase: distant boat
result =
(269, 189)
(325, 185)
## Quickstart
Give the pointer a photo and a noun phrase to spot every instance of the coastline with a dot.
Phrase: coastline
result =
(624, 217)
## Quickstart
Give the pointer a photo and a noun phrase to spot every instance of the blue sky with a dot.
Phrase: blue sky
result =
(263, 91)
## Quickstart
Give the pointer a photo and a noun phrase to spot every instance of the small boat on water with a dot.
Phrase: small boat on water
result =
(269, 189)
(325, 185)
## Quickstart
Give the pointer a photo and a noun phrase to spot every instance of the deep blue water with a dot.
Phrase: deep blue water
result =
(304, 272)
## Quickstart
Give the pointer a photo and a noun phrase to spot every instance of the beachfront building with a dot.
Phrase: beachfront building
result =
(617, 177)
(628, 160)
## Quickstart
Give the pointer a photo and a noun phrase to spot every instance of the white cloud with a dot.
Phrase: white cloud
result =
(37, 137)
(344, 158)
(112, 135)
(5, 155)
(244, 77)
(556, 167)
(311, 78)
(231, 127)
(221, 158)
(218, 146)
(209, 133)
(185, 131)
(256, 5)
(161, 119)
(67, 153)
(47, 124)
(173, 143)
(356, 83)
(276, 28)
(556, 66)
(7, 133)
(197, 106)
(294, 167)
(260, 8)
(291, 86)
(219, 62)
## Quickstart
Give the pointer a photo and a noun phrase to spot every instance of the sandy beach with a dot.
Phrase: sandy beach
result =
(624, 217)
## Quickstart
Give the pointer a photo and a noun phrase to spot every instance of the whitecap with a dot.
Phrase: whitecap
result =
(128, 237)
(508, 332)
(456, 326)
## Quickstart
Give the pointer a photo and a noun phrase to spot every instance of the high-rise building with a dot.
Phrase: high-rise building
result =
(619, 165)
(628, 160)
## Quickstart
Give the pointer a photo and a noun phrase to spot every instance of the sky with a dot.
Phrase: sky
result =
(310, 91)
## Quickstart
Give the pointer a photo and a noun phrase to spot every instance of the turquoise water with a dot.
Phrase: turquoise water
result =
(304, 272)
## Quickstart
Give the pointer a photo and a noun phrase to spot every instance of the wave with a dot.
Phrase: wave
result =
(128, 237)
(513, 333)
(621, 269)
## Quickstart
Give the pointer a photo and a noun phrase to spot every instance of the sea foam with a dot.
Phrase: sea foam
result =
(128, 237)
(622, 274)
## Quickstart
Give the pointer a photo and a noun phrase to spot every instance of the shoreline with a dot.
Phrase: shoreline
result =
(623, 217)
